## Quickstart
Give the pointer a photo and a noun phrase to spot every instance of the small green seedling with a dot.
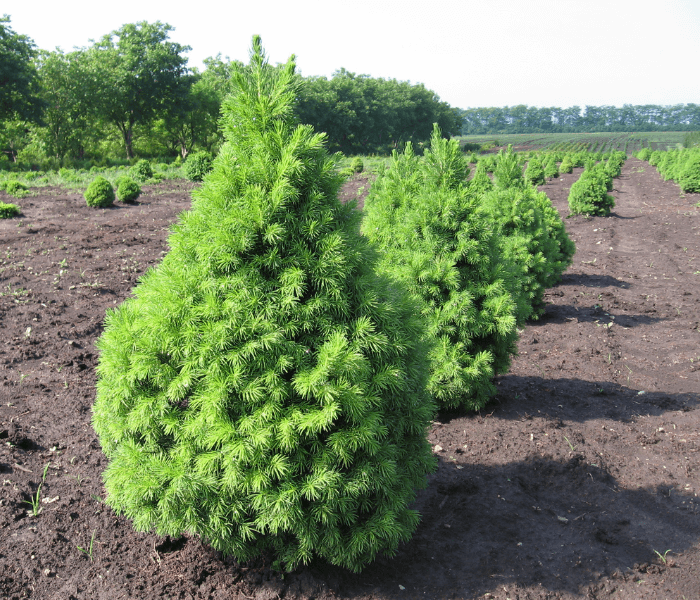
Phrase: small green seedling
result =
(573, 448)
(35, 500)
(662, 556)
(88, 551)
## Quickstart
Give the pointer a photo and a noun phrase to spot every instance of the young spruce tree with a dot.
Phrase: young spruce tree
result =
(534, 241)
(264, 388)
(436, 239)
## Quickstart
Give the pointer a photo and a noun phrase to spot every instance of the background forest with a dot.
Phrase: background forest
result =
(131, 94)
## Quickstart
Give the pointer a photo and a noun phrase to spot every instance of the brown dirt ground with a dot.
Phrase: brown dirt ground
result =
(580, 480)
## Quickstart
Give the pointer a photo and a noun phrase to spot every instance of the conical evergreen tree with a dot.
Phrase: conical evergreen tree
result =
(508, 172)
(534, 241)
(534, 173)
(264, 388)
(436, 240)
(481, 182)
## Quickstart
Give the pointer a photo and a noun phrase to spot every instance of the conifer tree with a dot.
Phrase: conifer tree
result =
(566, 165)
(508, 172)
(481, 182)
(264, 387)
(535, 242)
(436, 240)
(550, 168)
(534, 173)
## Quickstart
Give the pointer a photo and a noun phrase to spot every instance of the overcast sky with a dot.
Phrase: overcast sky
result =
(472, 53)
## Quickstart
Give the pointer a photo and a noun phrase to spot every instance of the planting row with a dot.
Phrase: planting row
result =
(681, 165)
(269, 386)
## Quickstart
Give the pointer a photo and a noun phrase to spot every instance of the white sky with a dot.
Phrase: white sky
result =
(470, 52)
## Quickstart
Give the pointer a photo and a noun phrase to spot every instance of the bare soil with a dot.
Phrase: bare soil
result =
(580, 480)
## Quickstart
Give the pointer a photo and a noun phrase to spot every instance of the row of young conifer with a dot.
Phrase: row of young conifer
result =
(681, 165)
(589, 194)
(269, 386)
(477, 253)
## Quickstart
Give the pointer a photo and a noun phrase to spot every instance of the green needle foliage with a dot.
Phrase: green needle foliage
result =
(197, 166)
(566, 165)
(142, 171)
(100, 193)
(534, 241)
(689, 176)
(436, 240)
(588, 195)
(7, 211)
(127, 190)
(264, 388)
(15, 188)
(508, 172)
(550, 169)
(481, 182)
(534, 173)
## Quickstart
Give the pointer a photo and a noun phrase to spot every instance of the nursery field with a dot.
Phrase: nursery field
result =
(579, 480)
(591, 142)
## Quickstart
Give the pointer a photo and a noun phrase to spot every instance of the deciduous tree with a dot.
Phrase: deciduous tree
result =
(18, 78)
(140, 73)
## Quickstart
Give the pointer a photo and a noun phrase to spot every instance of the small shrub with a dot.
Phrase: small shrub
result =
(471, 148)
(490, 162)
(550, 169)
(535, 241)
(16, 188)
(613, 166)
(68, 175)
(197, 166)
(689, 180)
(7, 211)
(566, 165)
(481, 182)
(141, 171)
(435, 238)
(99, 193)
(357, 165)
(127, 190)
(588, 196)
(578, 159)
(644, 154)
(534, 173)
(507, 171)
(655, 157)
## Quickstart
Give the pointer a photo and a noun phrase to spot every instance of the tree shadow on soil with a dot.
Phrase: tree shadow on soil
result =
(535, 522)
(562, 313)
(615, 215)
(596, 281)
(578, 400)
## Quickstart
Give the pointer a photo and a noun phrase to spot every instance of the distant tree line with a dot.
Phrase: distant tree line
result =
(530, 119)
(131, 93)
(363, 115)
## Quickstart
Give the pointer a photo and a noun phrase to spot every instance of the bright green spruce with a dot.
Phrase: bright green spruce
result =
(535, 243)
(265, 388)
(100, 193)
(589, 195)
(436, 240)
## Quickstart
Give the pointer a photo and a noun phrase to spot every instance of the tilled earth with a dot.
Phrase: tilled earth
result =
(580, 480)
